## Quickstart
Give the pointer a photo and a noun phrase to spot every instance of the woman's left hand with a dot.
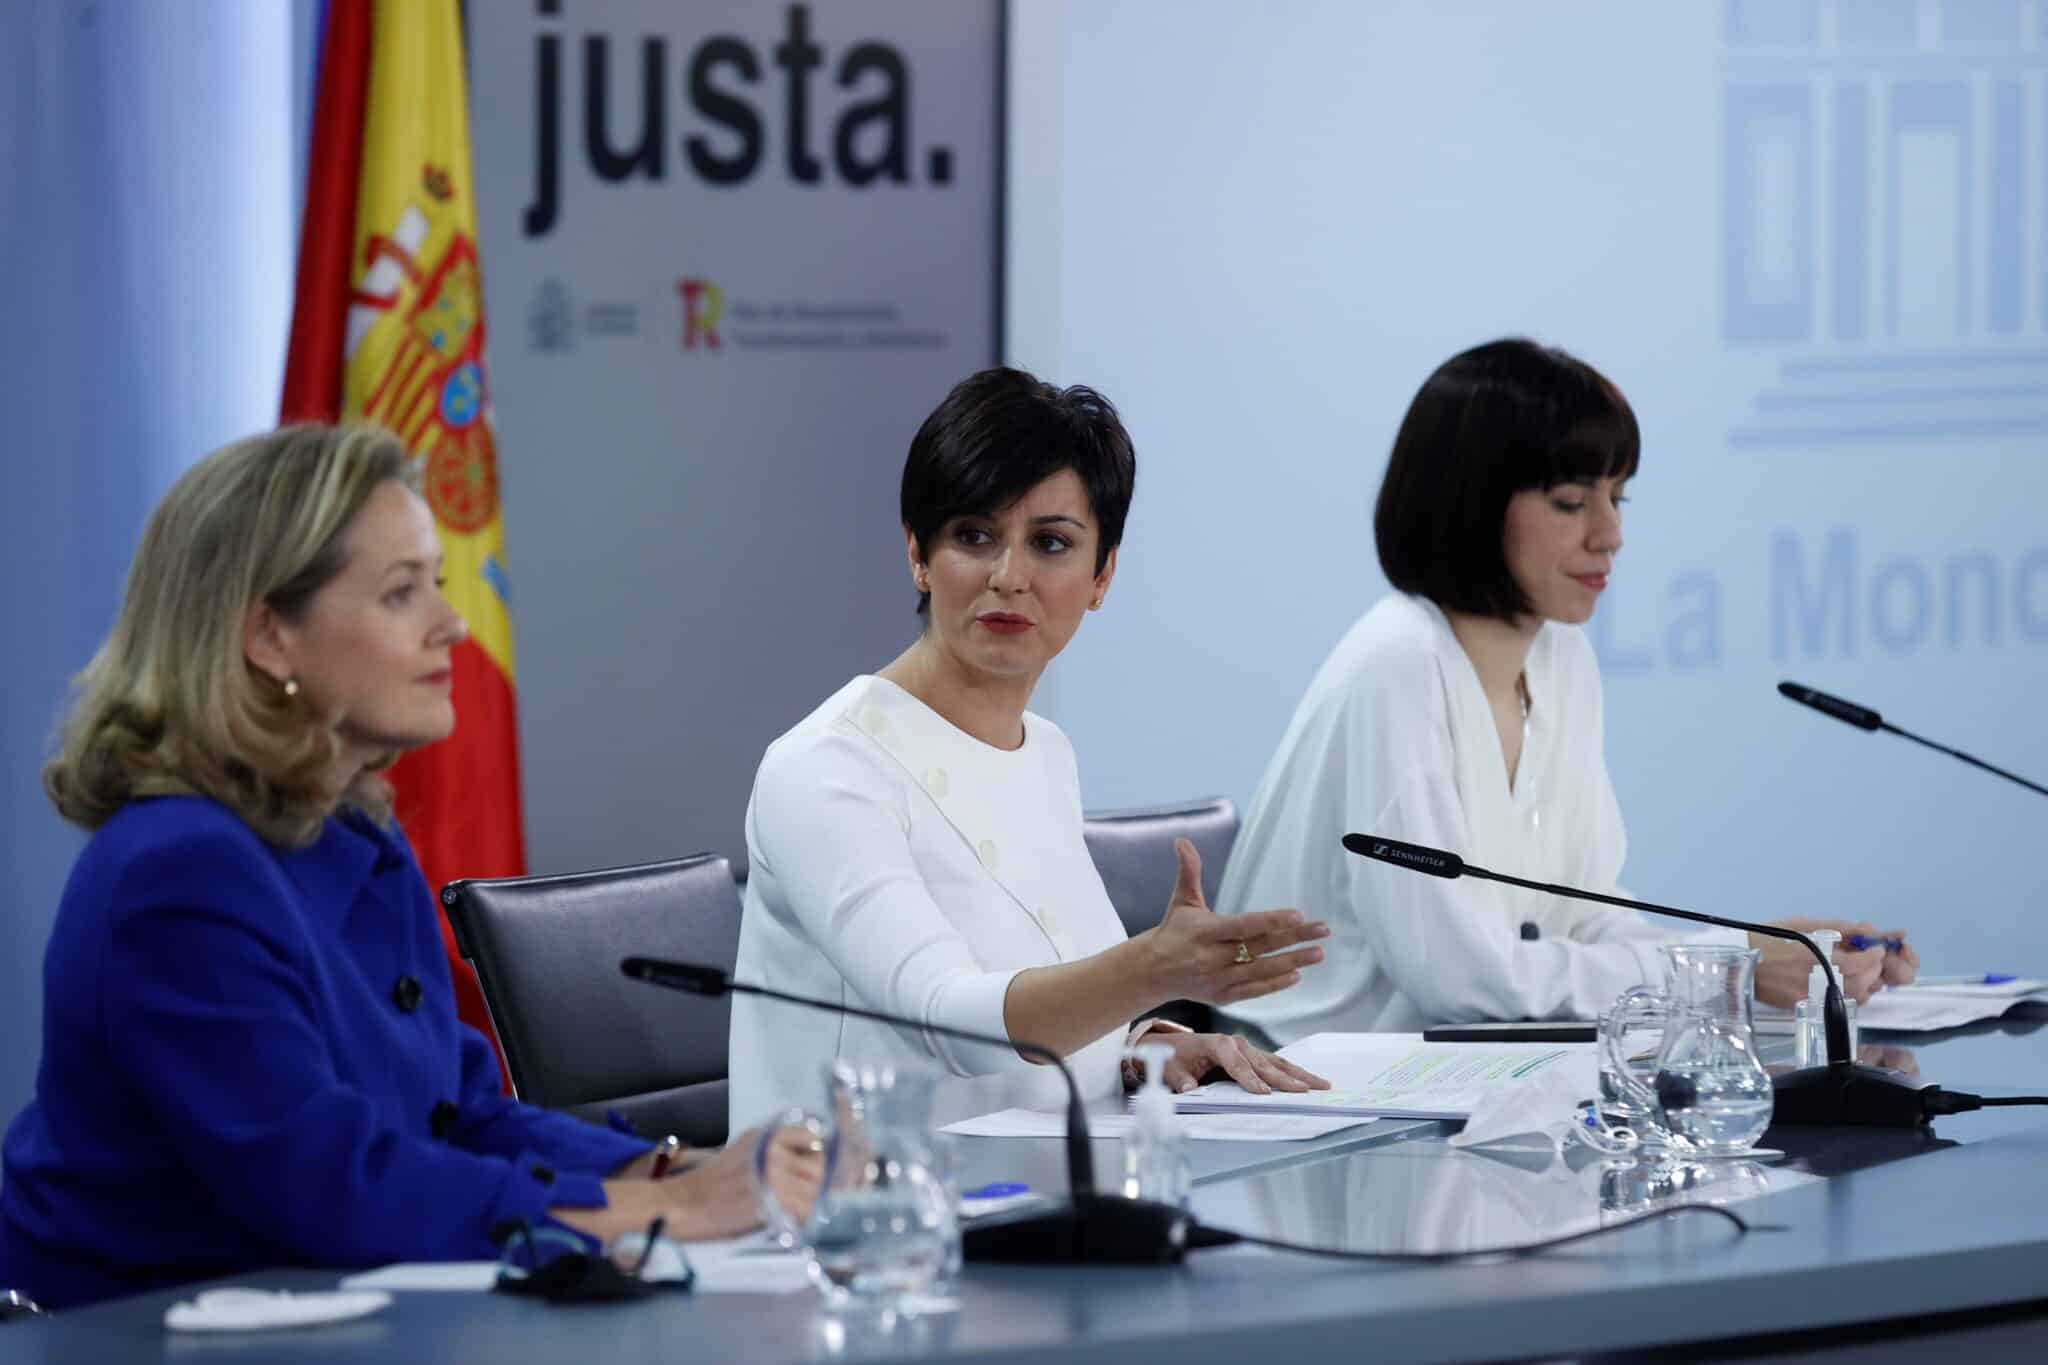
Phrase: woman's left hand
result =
(1257, 1070)
(717, 1196)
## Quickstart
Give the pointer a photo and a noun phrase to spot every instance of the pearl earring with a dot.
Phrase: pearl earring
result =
(291, 687)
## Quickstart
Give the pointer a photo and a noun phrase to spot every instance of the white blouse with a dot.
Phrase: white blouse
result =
(1395, 737)
(900, 864)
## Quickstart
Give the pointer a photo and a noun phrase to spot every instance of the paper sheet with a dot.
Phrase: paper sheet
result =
(1397, 1075)
(473, 1277)
(1039, 1123)
(1923, 1011)
(1978, 990)
(746, 1265)
(735, 1265)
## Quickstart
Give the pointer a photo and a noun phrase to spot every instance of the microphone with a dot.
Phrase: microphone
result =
(1863, 718)
(1841, 1093)
(1091, 1228)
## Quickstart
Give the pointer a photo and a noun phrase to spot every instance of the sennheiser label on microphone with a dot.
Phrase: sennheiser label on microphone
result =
(1403, 853)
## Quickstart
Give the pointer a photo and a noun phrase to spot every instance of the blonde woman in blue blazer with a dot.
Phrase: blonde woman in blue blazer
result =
(250, 1050)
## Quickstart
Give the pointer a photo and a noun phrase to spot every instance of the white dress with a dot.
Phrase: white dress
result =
(899, 864)
(1395, 737)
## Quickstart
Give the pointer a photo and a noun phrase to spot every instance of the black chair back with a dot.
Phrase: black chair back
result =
(1133, 850)
(578, 1035)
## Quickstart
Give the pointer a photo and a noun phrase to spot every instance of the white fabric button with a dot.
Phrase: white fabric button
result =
(937, 783)
(986, 851)
(874, 721)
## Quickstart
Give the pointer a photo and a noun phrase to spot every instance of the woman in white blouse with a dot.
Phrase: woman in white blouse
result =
(915, 843)
(1464, 712)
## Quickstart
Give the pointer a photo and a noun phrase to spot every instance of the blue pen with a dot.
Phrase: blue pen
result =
(1001, 1191)
(1861, 941)
(1988, 979)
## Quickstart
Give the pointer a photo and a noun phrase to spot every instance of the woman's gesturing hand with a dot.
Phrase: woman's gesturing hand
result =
(1196, 954)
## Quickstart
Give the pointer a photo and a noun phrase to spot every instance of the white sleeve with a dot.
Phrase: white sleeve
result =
(831, 827)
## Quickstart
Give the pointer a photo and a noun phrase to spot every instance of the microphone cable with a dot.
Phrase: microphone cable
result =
(1202, 1236)
(1936, 1102)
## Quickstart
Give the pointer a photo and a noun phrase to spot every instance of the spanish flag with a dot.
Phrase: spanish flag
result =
(388, 327)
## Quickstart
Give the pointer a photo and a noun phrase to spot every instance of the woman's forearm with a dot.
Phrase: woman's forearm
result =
(1068, 1006)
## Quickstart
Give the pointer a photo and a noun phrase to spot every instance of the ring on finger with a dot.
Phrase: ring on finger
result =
(1244, 953)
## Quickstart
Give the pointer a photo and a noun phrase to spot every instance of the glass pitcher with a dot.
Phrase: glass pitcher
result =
(1709, 1091)
(884, 1231)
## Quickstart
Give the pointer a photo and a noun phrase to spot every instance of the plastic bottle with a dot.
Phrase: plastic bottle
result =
(1809, 1017)
(1155, 1150)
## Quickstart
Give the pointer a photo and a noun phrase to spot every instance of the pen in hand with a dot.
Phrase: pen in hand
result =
(1858, 942)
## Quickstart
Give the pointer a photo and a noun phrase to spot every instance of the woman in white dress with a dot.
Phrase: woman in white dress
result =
(1464, 712)
(915, 843)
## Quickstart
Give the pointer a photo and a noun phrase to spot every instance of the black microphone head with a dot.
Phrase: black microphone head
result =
(1434, 861)
(682, 976)
(1862, 717)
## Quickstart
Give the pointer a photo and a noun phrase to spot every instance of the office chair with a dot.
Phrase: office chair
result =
(1133, 850)
(577, 1035)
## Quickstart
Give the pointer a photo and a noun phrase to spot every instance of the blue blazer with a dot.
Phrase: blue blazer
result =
(251, 1058)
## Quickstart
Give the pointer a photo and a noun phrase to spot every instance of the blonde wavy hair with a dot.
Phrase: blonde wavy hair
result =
(169, 704)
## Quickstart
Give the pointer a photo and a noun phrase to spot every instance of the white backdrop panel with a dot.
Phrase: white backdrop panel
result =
(708, 368)
(1806, 240)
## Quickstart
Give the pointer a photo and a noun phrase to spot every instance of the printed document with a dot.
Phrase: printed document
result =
(1397, 1075)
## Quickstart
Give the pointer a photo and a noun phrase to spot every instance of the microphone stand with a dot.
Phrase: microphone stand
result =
(1863, 718)
(1842, 1093)
(1091, 1228)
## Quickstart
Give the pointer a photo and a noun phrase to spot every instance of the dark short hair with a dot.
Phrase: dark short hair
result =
(1002, 432)
(1491, 422)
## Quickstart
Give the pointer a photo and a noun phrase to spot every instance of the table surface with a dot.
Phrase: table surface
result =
(1941, 1237)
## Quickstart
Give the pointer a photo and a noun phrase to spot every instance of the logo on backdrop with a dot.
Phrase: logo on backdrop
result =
(711, 320)
(728, 136)
(1882, 293)
(552, 325)
(550, 321)
(1876, 242)
(703, 305)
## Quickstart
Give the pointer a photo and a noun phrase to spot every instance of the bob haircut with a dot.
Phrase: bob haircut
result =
(1490, 423)
(169, 704)
(999, 434)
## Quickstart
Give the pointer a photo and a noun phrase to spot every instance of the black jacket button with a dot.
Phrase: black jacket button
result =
(406, 994)
(441, 1122)
(543, 1173)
